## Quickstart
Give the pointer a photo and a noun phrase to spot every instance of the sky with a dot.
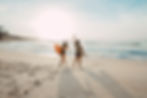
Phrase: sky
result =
(88, 19)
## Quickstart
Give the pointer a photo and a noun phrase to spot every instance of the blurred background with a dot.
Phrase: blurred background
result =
(113, 34)
(109, 28)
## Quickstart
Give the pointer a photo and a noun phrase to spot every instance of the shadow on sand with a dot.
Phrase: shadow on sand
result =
(69, 86)
(109, 83)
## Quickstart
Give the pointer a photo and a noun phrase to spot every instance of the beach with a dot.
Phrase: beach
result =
(73, 49)
(25, 75)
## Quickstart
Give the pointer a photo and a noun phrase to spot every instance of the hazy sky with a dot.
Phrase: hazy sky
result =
(89, 19)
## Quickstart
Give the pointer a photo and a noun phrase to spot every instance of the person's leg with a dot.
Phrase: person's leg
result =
(74, 62)
(62, 61)
(79, 61)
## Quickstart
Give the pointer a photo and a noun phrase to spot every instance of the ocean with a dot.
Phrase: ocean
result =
(136, 50)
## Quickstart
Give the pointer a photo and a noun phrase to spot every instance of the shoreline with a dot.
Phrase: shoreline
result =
(28, 54)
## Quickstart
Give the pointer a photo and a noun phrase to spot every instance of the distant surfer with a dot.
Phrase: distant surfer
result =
(61, 50)
(79, 53)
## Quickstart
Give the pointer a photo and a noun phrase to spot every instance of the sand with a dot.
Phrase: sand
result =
(26, 75)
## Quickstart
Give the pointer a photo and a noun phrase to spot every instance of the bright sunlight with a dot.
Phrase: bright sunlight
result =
(54, 23)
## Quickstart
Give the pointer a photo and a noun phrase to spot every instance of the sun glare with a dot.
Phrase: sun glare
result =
(54, 23)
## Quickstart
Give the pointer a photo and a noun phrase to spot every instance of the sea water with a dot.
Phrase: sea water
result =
(136, 50)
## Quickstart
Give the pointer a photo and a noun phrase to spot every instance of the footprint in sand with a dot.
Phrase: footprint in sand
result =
(26, 92)
(37, 83)
(32, 72)
(53, 74)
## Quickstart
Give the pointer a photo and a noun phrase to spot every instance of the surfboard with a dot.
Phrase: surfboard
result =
(57, 48)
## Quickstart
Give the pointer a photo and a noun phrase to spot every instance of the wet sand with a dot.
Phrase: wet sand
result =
(24, 75)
